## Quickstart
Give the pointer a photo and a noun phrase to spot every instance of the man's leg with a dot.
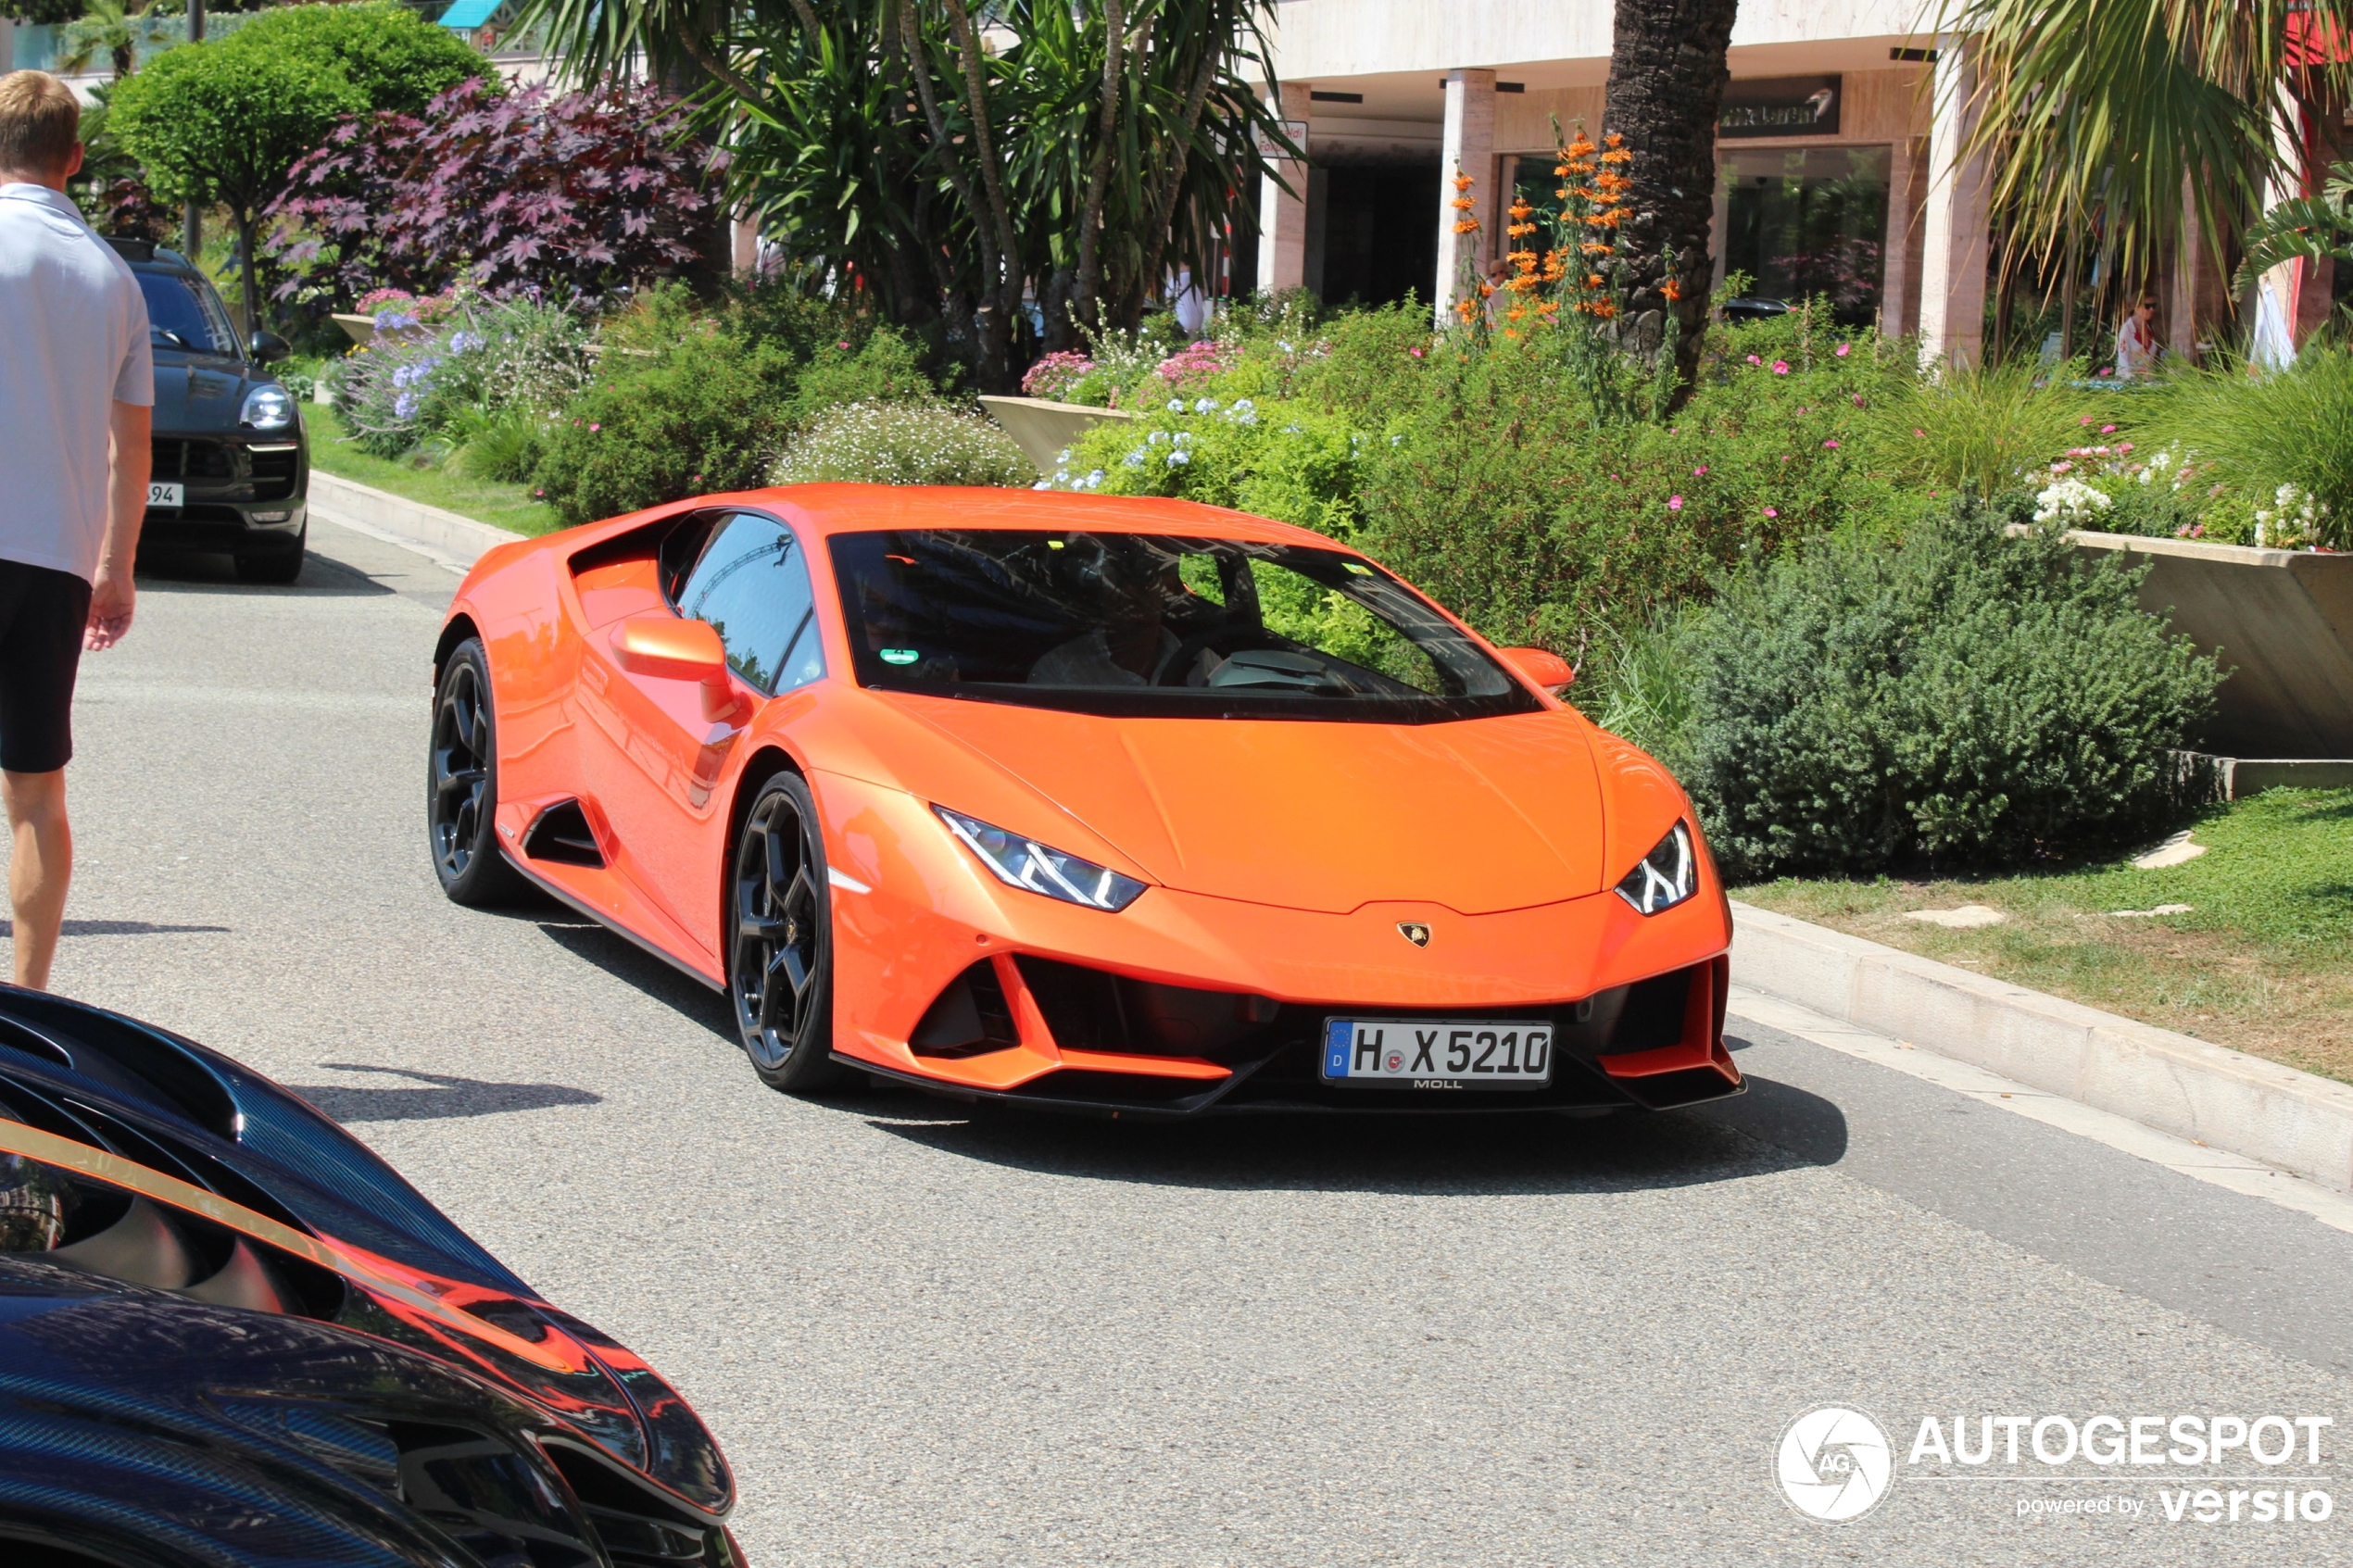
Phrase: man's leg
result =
(40, 865)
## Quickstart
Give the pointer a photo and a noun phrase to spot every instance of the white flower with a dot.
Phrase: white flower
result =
(1292, 429)
(1157, 436)
(1136, 459)
(1094, 478)
(1175, 404)
(1182, 437)
(1205, 404)
(1243, 406)
(1179, 455)
(1043, 484)
(2070, 501)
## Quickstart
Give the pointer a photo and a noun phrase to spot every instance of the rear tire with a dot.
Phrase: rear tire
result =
(279, 566)
(461, 787)
(780, 950)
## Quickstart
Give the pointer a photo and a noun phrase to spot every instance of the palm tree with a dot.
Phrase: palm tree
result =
(106, 27)
(2118, 122)
(1667, 77)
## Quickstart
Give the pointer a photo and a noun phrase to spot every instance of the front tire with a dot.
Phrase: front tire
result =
(461, 787)
(780, 960)
(279, 565)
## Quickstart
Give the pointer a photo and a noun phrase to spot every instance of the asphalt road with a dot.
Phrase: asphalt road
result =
(930, 1338)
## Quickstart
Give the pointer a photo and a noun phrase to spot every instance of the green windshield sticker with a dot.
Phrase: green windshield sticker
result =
(899, 656)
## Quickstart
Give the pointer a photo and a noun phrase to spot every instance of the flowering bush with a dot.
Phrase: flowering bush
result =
(2070, 503)
(454, 363)
(1054, 376)
(903, 444)
(503, 188)
(1283, 460)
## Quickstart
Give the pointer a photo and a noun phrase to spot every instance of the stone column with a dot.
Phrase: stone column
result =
(1953, 221)
(1470, 149)
(2198, 299)
(743, 243)
(1282, 215)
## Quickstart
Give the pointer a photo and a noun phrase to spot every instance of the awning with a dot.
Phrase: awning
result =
(467, 15)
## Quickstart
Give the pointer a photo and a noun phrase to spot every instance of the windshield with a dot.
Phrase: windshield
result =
(1150, 624)
(184, 313)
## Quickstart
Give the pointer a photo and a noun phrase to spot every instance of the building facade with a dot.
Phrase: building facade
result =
(1835, 171)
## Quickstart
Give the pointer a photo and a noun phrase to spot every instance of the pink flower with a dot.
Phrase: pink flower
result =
(2105, 372)
(1781, 367)
(1674, 503)
(841, 346)
(1842, 349)
(2107, 430)
(1755, 360)
(1803, 411)
(1771, 512)
(2085, 420)
(2125, 447)
(1831, 445)
(1701, 469)
(1415, 352)
(1858, 400)
(594, 429)
(1922, 434)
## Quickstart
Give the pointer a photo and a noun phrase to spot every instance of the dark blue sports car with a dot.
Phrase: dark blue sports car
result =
(231, 1336)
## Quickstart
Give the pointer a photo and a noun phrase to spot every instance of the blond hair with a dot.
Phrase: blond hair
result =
(39, 122)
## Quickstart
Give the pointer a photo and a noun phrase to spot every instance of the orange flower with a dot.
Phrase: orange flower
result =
(1672, 290)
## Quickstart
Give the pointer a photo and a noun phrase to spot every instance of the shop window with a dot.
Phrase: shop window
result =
(1807, 221)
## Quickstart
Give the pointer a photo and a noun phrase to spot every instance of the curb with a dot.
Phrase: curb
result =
(2222, 1098)
(450, 539)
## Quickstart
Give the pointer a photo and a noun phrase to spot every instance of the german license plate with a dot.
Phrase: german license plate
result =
(161, 494)
(1442, 1054)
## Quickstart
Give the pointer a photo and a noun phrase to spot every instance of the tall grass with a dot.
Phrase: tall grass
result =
(2264, 431)
(1986, 429)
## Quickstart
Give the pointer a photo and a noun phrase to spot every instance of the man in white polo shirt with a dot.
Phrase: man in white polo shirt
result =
(77, 396)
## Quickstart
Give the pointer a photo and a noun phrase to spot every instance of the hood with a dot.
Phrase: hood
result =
(200, 393)
(1478, 816)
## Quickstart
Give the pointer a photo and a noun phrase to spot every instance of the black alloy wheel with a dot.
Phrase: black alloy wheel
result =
(461, 785)
(781, 957)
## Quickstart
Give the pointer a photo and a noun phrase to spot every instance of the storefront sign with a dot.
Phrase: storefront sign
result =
(1781, 105)
(1269, 147)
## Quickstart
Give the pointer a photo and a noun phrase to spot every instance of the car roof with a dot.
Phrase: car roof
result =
(828, 509)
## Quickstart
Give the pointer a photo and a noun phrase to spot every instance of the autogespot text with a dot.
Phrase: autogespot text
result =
(2272, 1461)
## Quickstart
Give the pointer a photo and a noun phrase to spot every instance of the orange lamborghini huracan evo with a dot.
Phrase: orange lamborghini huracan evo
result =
(1116, 806)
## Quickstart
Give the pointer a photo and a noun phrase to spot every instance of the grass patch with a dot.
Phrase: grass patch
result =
(435, 484)
(2260, 963)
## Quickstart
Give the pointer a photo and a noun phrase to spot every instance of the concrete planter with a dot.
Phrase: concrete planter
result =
(2282, 620)
(1041, 429)
(359, 328)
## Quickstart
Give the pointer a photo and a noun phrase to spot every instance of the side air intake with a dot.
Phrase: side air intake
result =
(561, 834)
(969, 1017)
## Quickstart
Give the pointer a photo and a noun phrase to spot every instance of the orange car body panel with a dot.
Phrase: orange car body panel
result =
(1280, 857)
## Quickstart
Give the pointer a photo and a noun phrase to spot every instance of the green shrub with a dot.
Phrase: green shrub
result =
(476, 360)
(691, 400)
(2290, 429)
(708, 414)
(1986, 430)
(1962, 696)
(506, 444)
(902, 443)
(395, 59)
(1280, 459)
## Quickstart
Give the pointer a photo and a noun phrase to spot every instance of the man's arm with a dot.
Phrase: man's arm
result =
(132, 426)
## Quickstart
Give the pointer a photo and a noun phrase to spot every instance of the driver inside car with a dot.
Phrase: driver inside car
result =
(1130, 644)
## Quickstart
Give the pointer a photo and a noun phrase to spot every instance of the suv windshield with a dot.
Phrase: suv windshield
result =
(1153, 624)
(184, 313)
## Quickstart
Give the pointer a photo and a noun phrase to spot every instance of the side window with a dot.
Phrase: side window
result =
(753, 586)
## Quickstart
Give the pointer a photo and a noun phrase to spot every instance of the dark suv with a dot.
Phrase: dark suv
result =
(232, 463)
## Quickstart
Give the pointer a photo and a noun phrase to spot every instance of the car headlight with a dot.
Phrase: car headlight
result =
(268, 407)
(1665, 877)
(1037, 868)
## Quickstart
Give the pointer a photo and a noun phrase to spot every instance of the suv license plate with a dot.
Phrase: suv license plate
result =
(1420, 1053)
(163, 495)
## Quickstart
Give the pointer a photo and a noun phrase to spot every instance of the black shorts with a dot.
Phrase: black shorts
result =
(43, 612)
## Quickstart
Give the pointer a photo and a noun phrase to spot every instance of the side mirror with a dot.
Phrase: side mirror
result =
(268, 347)
(1542, 668)
(669, 648)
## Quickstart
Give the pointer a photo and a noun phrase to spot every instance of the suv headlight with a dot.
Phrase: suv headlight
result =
(268, 407)
(1037, 868)
(1665, 877)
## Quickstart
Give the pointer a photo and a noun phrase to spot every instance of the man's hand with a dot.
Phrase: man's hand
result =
(132, 429)
(111, 598)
